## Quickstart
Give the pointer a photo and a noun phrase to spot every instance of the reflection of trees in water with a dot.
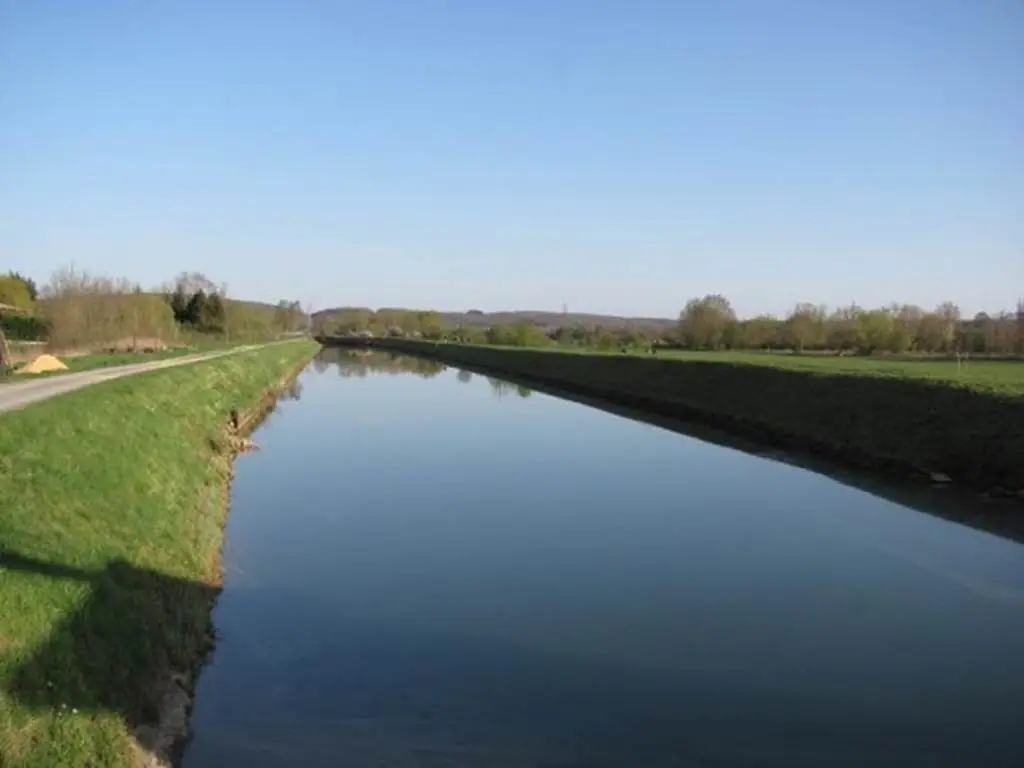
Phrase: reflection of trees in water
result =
(358, 363)
(320, 363)
(293, 392)
(499, 388)
(502, 389)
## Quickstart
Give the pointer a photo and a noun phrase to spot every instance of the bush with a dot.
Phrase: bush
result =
(24, 327)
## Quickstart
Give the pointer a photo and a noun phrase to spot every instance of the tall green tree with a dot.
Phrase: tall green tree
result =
(212, 316)
(29, 283)
(703, 321)
(806, 327)
(14, 292)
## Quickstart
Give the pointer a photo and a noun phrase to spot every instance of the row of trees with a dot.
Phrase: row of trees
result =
(349, 321)
(77, 309)
(85, 311)
(711, 323)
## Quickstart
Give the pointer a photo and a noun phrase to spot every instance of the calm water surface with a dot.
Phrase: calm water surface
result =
(429, 568)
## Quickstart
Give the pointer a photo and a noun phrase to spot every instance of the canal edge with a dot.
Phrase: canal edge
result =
(764, 434)
(163, 745)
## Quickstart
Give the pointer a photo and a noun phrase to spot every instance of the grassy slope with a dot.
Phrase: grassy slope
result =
(998, 377)
(112, 502)
(870, 416)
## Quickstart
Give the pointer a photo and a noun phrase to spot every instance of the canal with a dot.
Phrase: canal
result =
(426, 567)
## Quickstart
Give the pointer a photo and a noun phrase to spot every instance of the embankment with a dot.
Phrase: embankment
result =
(113, 504)
(900, 425)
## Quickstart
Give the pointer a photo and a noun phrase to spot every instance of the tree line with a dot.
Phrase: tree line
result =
(711, 323)
(76, 309)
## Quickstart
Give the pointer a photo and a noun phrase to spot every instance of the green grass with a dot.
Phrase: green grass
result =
(999, 376)
(113, 505)
(94, 362)
(996, 376)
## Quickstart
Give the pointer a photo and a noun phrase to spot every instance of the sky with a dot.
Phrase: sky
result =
(616, 156)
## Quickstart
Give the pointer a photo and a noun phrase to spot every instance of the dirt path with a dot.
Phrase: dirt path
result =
(19, 394)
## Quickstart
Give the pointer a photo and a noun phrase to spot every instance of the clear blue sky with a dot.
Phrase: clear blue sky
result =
(497, 154)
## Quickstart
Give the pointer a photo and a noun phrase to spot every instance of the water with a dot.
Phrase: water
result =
(429, 568)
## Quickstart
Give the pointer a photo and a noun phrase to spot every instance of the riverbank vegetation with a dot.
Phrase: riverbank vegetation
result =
(113, 504)
(936, 427)
(710, 323)
(80, 311)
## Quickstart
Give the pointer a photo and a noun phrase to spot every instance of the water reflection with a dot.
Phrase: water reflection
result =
(417, 576)
(503, 389)
(292, 392)
(359, 363)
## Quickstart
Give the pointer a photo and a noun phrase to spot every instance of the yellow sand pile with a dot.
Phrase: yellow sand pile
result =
(42, 364)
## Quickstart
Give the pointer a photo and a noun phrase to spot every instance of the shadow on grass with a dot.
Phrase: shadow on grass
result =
(136, 631)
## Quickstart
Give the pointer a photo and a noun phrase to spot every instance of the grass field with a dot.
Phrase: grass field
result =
(917, 418)
(113, 505)
(997, 376)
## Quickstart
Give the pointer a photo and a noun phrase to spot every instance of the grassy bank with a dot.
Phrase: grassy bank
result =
(113, 505)
(1004, 377)
(929, 421)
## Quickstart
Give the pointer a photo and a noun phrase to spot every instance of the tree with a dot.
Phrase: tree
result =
(950, 314)
(604, 339)
(501, 336)
(431, 325)
(195, 308)
(874, 330)
(211, 315)
(192, 283)
(759, 333)
(931, 333)
(806, 327)
(529, 335)
(29, 283)
(89, 312)
(178, 301)
(14, 292)
(703, 321)
(906, 325)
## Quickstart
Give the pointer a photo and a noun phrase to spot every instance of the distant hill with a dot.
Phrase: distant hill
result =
(537, 317)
